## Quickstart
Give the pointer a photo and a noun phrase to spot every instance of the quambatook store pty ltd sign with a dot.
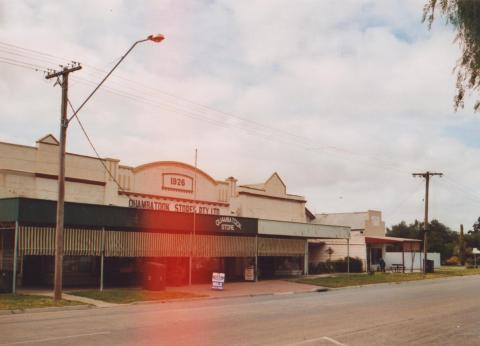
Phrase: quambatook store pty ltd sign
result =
(179, 207)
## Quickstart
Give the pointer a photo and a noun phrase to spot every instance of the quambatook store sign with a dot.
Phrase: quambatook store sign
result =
(175, 206)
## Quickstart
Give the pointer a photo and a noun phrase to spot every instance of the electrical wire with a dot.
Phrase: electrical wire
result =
(12, 62)
(191, 109)
(94, 149)
(394, 211)
(207, 114)
(205, 109)
(472, 197)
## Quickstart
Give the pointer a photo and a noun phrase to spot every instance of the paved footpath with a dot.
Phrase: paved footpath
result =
(430, 312)
(234, 289)
(66, 296)
(241, 289)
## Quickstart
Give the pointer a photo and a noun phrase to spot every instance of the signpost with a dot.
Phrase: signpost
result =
(475, 252)
(218, 281)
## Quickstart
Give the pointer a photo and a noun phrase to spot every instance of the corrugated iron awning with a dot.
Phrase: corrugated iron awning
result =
(389, 240)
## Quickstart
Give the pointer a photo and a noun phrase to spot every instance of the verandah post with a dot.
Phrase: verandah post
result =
(348, 256)
(256, 257)
(102, 257)
(15, 250)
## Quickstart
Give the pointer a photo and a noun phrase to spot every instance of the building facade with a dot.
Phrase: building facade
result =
(367, 239)
(31, 171)
(119, 218)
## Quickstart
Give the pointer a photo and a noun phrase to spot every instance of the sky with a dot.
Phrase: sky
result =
(343, 99)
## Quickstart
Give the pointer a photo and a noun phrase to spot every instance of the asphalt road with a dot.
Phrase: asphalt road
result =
(433, 312)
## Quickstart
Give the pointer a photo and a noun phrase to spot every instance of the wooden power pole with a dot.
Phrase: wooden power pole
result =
(57, 284)
(427, 176)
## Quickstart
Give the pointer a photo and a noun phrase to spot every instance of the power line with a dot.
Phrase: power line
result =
(22, 65)
(94, 149)
(466, 192)
(396, 209)
(202, 111)
(154, 89)
(18, 63)
(207, 114)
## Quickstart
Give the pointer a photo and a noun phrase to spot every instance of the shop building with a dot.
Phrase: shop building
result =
(162, 211)
(367, 239)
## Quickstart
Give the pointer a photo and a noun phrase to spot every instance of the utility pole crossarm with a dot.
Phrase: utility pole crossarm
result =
(63, 72)
(423, 175)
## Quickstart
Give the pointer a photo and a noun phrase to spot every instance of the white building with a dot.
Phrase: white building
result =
(367, 239)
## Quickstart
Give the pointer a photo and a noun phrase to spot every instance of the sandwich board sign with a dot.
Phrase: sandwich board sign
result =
(218, 281)
(249, 274)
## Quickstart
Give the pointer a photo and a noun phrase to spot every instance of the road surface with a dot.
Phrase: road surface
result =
(432, 312)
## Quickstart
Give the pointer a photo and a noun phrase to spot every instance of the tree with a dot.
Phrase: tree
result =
(464, 16)
(440, 238)
(476, 226)
(462, 250)
(472, 238)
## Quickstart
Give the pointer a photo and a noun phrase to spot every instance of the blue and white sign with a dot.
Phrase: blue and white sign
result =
(218, 281)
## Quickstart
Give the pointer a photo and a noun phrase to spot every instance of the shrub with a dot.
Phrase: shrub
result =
(337, 266)
(453, 261)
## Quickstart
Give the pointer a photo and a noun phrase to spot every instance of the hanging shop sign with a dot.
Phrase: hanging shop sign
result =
(228, 223)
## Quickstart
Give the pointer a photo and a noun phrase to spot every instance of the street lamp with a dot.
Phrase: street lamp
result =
(57, 289)
(157, 38)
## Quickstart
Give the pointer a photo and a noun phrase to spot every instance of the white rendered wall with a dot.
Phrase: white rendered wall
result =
(396, 258)
(339, 246)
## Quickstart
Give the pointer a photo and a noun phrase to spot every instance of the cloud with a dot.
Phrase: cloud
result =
(359, 91)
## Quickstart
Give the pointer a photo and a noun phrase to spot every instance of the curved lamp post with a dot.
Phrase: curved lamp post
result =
(57, 289)
(154, 38)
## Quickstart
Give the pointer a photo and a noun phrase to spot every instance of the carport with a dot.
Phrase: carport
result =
(376, 248)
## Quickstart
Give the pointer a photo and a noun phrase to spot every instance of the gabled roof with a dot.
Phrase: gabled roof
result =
(48, 139)
(267, 189)
(275, 175)
(255, 186)
(261, 186)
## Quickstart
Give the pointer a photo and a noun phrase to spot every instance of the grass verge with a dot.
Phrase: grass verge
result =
(130, 295)
(342, 280)
(23, 301)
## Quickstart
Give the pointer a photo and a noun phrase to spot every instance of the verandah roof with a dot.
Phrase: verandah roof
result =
(42, 212)
(389, 240)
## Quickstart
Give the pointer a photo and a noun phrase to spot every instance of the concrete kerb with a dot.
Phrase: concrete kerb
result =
(93, 303)
(399, 282)
(314, 290)
(46, 309)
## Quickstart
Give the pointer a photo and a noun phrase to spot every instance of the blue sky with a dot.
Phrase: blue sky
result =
(344, 99)
(467, 133)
